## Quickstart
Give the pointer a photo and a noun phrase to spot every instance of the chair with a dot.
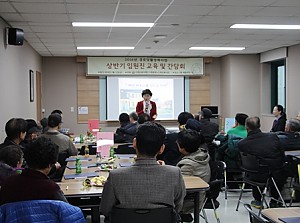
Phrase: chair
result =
(254, 218)
(125, 149)
(251, 165)
(158, 215)
(215, 186)
(58, 174)
(40, 211)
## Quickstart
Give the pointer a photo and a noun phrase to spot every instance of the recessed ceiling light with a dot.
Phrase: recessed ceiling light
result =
(263, 26)
(105, 47)
(216, 48)
(160, 36)
(110, 24)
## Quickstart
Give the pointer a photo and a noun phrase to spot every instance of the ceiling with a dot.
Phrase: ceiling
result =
(186, 23)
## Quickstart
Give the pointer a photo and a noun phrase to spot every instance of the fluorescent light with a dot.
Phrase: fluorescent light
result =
(263, 26)
(111, 24)
(216, 48)
(105, 47)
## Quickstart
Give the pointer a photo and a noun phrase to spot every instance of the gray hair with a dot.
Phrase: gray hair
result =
(293, 124)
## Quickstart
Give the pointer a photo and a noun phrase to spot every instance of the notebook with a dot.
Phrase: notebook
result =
(72, 159)
(82, 166)
(290, 219)
(125, 164)
(80, 175)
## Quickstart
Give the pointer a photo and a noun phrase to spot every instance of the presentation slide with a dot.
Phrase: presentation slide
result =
(123, 94)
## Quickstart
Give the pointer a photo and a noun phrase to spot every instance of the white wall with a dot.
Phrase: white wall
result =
(15, 63)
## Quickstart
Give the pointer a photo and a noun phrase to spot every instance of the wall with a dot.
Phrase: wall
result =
(15, 63)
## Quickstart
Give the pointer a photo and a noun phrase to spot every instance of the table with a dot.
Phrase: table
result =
(273, 214)
(90, 197)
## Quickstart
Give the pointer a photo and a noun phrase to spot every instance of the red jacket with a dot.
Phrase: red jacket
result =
(140, 109)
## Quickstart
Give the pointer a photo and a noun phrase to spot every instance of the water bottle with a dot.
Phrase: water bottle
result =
(86, 152)
(112, 152)
(81, 138)
(78, 166)
(98, 158)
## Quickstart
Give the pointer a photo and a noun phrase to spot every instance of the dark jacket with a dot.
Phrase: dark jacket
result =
(125, 133)
(207, 128)
(279, 125)
(7, 142)
(265, 146)
(29, 185)
(228, 151)
(289, 140)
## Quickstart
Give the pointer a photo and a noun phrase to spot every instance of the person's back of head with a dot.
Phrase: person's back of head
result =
(292, 125)
(123, 118)
(143, 118)
(41, 154)
(12, 155)
(183, 117)
(54, 120)
(252, 123)
(32, 129)
(56, 111)
(133, 117)
(205, 113)
(190, 140)
(15, 127)
(44, 123)
(241, 118)
(149, 139)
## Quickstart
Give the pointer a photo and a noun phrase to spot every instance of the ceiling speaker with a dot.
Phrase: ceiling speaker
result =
(15, 36)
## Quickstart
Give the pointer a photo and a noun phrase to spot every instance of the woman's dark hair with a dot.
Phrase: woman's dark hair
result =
(146, 91)
(280, 109)
(190, 140)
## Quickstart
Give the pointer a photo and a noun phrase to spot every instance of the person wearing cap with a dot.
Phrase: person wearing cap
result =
(147, 106)
(64, 143)
(31, 132)
(15, 130)
(239, 128)
(207, 128)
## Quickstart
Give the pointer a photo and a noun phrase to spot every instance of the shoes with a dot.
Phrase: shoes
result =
(275, 204)
(256, 204)
(186, 217)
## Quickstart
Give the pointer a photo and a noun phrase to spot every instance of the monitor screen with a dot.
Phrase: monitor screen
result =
(214, 109)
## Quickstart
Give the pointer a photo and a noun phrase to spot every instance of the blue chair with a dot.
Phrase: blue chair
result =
(40, 211)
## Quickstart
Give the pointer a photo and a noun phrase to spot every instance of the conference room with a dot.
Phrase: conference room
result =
(246, 69)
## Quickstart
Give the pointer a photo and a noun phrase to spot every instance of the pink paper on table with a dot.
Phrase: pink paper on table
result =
(104, 141)
(93, 126)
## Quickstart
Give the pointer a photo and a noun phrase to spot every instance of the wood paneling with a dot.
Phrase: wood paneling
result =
(199, 93)
(88, 96)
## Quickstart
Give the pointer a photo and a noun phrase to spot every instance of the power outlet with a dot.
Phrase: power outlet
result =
(72, 109)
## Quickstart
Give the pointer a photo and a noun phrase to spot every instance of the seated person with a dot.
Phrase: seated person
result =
(33, 183)
(126, 131)
(195, 161)
(143, 118)
(11, 159)
(266, 147)
(146, 184)
(290, 139)
(239, 128)
(64, 143)
(228, 150)
(133, 117)
(171, 154)
(31, 132)
(182, 119)
(15, 130)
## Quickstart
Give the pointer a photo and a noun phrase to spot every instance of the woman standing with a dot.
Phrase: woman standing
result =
(280, 119)
(147, 106)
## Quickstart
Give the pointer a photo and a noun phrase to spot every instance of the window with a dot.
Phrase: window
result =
(278, 89)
